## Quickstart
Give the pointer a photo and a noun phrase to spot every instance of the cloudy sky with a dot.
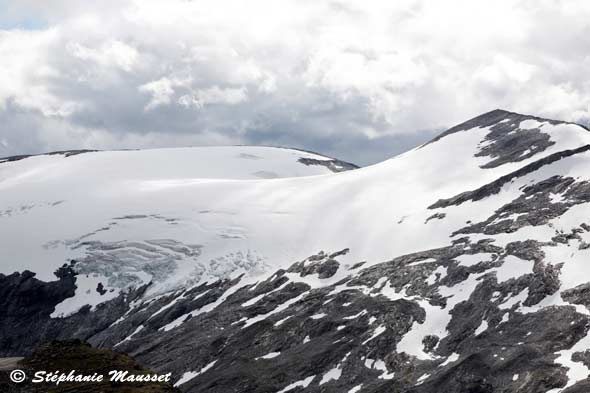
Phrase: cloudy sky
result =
(359, 80)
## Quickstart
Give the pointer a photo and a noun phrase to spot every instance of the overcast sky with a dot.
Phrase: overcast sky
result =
(358, 80)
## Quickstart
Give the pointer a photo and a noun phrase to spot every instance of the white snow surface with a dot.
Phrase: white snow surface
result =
(303, 383)
(270, 355)
(332, 374)
(481, 328)
(187, 376)
(356, 389)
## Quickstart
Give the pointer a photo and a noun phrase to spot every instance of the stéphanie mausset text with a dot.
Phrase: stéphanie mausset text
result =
(121, 376)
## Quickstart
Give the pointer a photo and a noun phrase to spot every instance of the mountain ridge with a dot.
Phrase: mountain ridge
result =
(492, 117)
(70, 153)
(457, 267)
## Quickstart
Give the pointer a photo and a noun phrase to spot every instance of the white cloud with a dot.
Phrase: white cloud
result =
(214, 95)
(503, 71)
(316, 74)
(161, 91)
(112, 53)
(26, 70)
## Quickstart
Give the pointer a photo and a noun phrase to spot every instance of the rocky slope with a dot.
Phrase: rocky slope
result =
(460, 266)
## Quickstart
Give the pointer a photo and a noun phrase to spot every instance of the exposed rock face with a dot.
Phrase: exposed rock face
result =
(502, 123)
(265, 336)
(65, 153)
(333, 164)
(27, 303)
(501, 304)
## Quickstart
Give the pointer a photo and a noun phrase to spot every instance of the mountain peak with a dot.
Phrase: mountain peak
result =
(493, 117)
(513, 137)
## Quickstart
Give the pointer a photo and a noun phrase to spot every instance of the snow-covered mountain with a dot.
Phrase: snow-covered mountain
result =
(459, 266)
(151, 211)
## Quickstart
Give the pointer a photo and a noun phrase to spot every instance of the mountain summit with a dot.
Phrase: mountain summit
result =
(459, 266)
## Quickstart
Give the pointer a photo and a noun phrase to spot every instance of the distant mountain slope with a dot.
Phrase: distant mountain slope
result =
(458, 266)
(213, 162)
